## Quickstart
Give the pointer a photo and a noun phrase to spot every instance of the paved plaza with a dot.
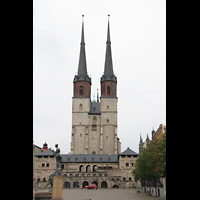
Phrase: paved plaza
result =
(105, 194)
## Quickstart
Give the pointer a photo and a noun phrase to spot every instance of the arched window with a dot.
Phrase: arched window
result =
(81, 168)
(81, 106)
(76, 184)
(94, 120)
(67, 184)
(104, 184)
(108, 90)
(81, 90)
(85, 183)
(94, 168)
(124, 179)
(88, 168)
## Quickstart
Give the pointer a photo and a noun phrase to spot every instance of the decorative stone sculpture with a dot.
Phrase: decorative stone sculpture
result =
(58, 178)
(58, 171)
(51, 179)
(58, 157)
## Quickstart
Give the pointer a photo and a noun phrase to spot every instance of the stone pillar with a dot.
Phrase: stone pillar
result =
(57, 188)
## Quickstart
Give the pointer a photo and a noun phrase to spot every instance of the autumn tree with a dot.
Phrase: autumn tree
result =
(151, 163)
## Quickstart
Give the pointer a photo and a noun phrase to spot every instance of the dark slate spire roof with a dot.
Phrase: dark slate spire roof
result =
(108, 68)
(82, 66)
(140, 138)
(128, 151)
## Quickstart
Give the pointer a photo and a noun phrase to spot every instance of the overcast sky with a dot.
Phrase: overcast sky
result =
(138, 42)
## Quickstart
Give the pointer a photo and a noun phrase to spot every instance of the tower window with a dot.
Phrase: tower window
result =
(107, 121)
(94, 120)
(81, 90)
(108, 90)
(81, 107)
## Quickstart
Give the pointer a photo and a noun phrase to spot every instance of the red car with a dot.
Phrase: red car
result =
(91, 186)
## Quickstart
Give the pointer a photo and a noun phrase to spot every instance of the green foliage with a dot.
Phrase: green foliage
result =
(151, 163)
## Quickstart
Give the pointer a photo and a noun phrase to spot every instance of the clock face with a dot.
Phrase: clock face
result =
(94, 127)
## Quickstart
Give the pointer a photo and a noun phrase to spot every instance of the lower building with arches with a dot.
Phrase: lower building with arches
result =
(79, 170)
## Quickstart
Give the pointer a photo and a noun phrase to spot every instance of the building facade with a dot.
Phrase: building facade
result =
(155, 135)
(95, 155)
(79, 170)
(159, 132)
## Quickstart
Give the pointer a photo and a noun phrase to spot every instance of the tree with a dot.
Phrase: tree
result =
(162, 154)
(151, 163)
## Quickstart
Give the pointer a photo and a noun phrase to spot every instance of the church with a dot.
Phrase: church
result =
(95, 155)
(94, 124)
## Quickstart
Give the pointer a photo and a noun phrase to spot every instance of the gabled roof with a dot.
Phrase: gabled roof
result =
(48, 152)
(89, 158)
(128, 151)
(37, 146)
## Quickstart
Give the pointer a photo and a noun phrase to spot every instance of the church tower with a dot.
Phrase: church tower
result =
(94, 124)
(140, 145)
(80, 102)
(108, 104)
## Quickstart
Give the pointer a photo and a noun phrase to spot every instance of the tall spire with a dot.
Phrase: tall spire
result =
(82, 35)
(108, 35)
(140, 137)
(82, 66)
(108, 68)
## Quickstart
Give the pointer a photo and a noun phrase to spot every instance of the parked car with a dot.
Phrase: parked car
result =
(91, 186)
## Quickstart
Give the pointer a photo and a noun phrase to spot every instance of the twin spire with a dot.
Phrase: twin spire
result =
(108, 68)
(82, 66)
